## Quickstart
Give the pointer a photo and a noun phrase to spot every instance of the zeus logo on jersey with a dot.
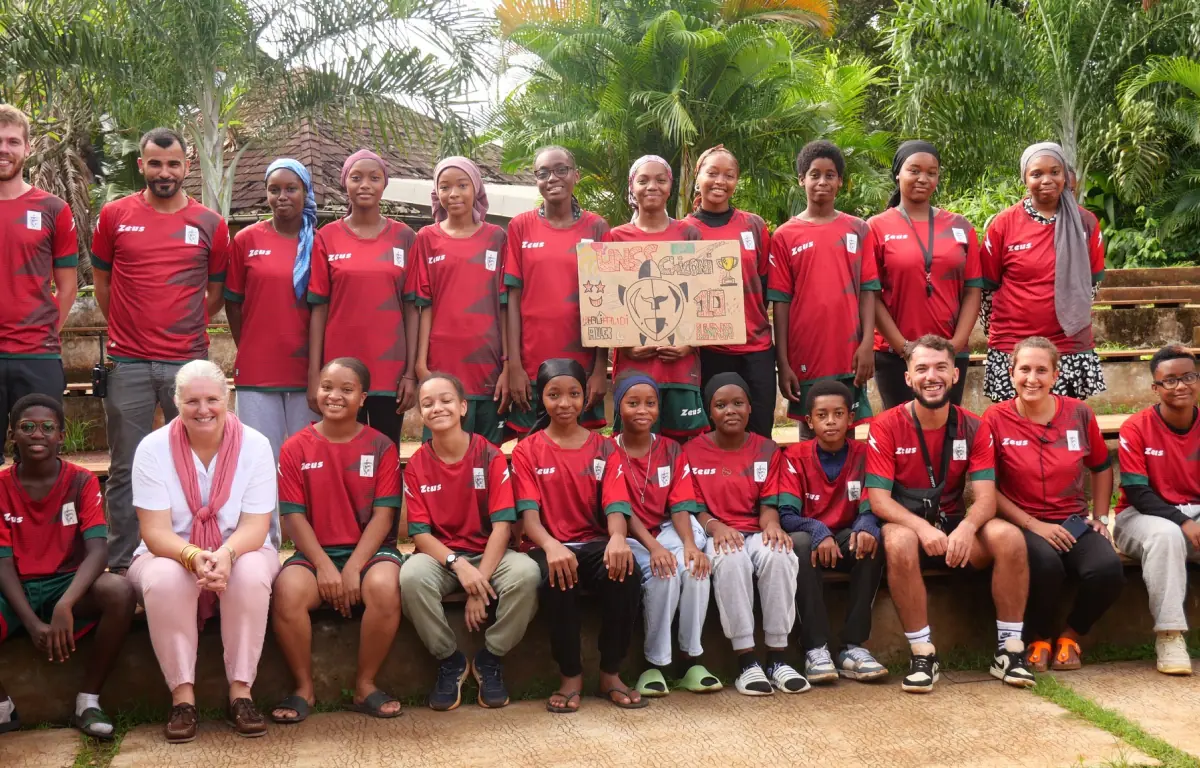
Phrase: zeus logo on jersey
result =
(339, 256)
(888, 238)
(10, 518)
(812, 496)
(691, 411)
(802, 247)
(1019, 247)
(430, 488)
(129, 228)
(1011, 441)
(703, 471)
(311, 465)
(526, 244)
(435, 259)
(1154, 452)
(905, 451)
(258, 252)
(546, 470)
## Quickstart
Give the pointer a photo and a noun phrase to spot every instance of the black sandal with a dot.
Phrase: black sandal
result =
(564, 709)
(374, 703)
(295, 703)
(627, 692)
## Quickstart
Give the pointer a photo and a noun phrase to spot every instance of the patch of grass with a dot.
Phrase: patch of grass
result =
(1106, 719)
(75, 436)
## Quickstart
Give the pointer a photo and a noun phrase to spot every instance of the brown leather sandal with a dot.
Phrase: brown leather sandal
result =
(1066, 655)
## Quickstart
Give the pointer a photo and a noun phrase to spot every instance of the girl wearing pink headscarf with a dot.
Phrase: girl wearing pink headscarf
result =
(675, 368)
(457, 283)
(361, 265)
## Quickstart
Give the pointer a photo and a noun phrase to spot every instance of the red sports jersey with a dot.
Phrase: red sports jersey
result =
(659, 483)
(835, 503)
(364, 283)
(1018, 264)
(47, 537)
(541, 261)
(37, 236)
(1153, 454)
(458, 503)
(732, 485)
(895, 456)
(161, 265)
(336, 486)
(901, 267)
(575, 491)
(460, 278)
(680, 373)
(750, 231)
(1043, 468)
(273, 352)
(821, 270)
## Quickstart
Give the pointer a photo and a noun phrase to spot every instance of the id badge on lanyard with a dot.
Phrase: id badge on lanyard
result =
(926, 247)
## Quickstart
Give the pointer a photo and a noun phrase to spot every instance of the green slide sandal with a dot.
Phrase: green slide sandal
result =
(700, 680)
(652, 684)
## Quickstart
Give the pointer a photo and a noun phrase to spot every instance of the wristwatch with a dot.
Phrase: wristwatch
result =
(1103, 520)
(451, 559)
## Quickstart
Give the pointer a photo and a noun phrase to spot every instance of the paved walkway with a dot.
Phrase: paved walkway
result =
(969, 720)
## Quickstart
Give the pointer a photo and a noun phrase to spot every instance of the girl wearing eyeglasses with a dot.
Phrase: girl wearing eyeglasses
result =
(541, 277)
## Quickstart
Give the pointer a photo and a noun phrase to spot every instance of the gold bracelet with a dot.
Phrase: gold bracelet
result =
(191, 559)
(183, 554)
(233, 556)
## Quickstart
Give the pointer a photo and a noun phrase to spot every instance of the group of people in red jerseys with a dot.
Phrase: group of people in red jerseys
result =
(342, 330)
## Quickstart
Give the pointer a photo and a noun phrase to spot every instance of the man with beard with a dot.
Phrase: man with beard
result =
(159, 260)
(922, 455)
(37, 248)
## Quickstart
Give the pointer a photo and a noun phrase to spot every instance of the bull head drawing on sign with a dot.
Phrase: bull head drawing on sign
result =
(655, 304)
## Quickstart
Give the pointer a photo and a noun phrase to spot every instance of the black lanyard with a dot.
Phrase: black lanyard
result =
(947, 443)
(926, 248)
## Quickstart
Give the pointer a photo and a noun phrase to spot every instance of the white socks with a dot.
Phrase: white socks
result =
(1006, 630)
(920, 637)
(86, 701)
(6, 710)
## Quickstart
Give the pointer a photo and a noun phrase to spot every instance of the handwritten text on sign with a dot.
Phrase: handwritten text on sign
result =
(661, 294)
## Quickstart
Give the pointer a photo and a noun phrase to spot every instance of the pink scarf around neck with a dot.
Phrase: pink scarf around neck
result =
(206, 531)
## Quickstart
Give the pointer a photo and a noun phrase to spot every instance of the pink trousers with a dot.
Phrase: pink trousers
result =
(170, 596)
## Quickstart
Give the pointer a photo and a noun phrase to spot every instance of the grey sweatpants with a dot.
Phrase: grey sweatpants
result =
(733, 577)
(1163, 551)
(134, 389)
(278, 415)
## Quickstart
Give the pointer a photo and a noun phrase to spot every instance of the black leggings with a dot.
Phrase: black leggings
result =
(380, 413)
(893, 390)
(1093, 561)
(619, 602)
(758, 369)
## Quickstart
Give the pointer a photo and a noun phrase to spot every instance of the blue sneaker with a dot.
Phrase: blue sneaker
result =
(489, 675)
(447, 691)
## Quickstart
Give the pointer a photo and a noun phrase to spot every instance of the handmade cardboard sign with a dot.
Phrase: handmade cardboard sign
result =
(661, 294)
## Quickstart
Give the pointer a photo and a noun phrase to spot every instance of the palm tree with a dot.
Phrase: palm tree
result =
(615, 79)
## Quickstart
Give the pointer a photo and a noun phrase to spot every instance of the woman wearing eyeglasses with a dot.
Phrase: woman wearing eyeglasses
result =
(542, 280)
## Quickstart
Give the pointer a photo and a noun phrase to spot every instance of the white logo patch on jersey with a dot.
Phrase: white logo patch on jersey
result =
(851, 243)
(598, 468)
(1073, 440)
(748, 241)
(480, 478)
(853, 490)
(366, 465)
(960, 450)
(69, 517)
(191, 235)
(490, 258)
(398, 257)
(760, 471)
(33, 220)
(960, 235)
(664, 477)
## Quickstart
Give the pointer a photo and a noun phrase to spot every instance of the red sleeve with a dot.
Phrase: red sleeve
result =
(614, 491)
(780, 280)
(1131, 454)
(291, 482)
(501, 507)
(875, 243)
(5, 538)
(102, 244)
(982, 462)
(235, 274)
(791, 482)
(881, 457)
(682, 495)
(65, 245)
(1096, 251)
(218, 254)
(387, 479)
(91, 508)
(869, 277)
(764, 250)
(418, 273)
(993, 253)
(513, 276)
(319, 281)
(768, 492)
(414, 501)
(527, 493)
(1097, 460)
(973, 277)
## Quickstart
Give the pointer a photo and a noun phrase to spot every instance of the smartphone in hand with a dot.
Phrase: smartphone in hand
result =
(1076, 526)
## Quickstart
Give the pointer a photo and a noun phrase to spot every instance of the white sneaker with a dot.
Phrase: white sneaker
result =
(753, 682)
(818, 666)
(1173, 658)
(786, 679)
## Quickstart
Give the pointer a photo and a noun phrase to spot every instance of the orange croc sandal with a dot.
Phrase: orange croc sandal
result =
(1038, 656)
(1067, 656)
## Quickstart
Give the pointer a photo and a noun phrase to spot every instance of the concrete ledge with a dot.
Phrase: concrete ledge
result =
(960, 608)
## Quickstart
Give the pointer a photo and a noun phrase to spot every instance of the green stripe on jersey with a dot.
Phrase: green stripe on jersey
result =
(1129, 478)
(506, 515)
(875, 481)
(618, 508)
(291, 508)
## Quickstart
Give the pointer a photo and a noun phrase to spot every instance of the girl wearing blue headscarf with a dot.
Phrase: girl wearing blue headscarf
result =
(265, 289)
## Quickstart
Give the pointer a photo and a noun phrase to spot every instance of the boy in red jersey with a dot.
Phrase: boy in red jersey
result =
(53, 549)
(574, 502)
(823, 506)
(339, 496)
(458, 284)
(460, 516)
(737, 475)
(823, 263)
(922, 455)
(1160, 498)
(160, 260)
(675, 368)
(37, 231)
(541, 278)
(1046, 446)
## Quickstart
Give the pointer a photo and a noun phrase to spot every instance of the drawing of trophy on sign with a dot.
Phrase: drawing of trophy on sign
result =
(727, 263)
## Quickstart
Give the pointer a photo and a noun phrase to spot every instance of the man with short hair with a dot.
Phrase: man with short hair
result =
(922, 455)
(159, 260)
(1157, 513)
(38, 256)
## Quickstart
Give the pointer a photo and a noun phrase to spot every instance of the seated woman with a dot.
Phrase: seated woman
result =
(460, 516)
(53, 550)
(204, 490)
(1046, 445)
(666, 540)
(736, 474)
(339, 495)
(575, 505)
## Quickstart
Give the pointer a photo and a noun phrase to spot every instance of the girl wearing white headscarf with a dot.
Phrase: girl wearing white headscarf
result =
(1042, 259)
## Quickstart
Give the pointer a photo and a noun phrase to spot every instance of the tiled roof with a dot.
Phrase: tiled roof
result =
(322, 145)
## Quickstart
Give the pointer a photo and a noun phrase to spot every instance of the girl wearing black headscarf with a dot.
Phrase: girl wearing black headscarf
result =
(574, 503)
(929, 268)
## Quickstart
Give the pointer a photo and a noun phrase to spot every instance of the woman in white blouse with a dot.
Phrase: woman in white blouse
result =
(204, 489)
